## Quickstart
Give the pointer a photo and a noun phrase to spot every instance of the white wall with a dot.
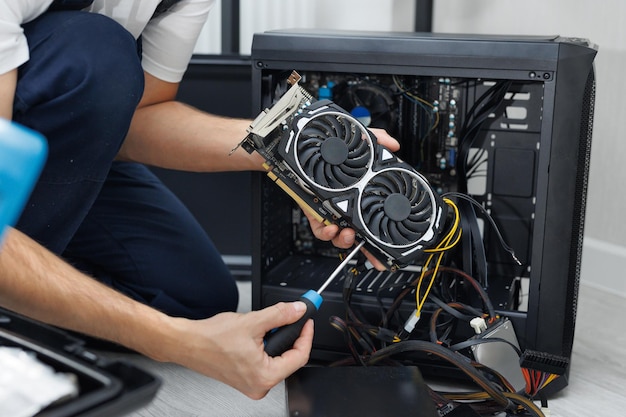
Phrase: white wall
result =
(210, 40)
(384, 15)
(604, 23)
(262, 15)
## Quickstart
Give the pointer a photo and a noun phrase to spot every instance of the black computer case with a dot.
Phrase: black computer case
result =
(527, 105)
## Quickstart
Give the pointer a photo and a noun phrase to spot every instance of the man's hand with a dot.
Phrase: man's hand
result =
(344, 238)
(229, 347)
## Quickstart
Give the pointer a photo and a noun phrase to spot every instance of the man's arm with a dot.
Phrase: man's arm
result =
(8, 83)
(228, 347)
(170, 134)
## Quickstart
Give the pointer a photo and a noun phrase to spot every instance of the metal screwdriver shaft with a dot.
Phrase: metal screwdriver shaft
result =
(337, 270)
(280, 340)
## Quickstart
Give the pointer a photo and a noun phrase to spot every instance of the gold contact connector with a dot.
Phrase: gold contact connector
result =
(294, 78)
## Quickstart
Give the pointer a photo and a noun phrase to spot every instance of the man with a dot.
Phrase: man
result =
(100, 84)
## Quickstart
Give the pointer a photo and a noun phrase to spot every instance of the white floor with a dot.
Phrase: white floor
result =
(597, 379)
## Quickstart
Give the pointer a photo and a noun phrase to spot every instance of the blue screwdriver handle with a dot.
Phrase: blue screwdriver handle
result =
(279, 340)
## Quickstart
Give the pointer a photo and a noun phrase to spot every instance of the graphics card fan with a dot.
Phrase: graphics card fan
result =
(332, 150)
(397, 208)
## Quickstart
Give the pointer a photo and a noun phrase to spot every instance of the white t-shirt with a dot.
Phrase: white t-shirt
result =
(167, 41)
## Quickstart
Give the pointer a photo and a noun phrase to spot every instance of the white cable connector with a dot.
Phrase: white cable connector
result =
(410, 324)
(478, 324)
(546, 411)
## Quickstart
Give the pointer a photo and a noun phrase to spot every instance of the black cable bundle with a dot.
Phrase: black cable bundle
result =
(491, 102)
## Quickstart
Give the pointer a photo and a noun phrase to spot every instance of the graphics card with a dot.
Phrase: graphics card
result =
(334, 168)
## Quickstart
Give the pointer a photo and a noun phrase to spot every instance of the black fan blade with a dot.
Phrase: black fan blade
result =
(307, 142)
(306, 153)
(346, 176)
(410, 234)
(358, 159)
(354, 135)
(386, 182)
(320, 127)
(423, 210)
(314, 132)
(312, 161)
(347, 127)
(420, 202)
(371, 202)
(384, 230)
(417, 226)
(335, 126)
(360, 146)
(319, 175)
(355, 172)
(397, 238)
(405, 184)
(331, 178)
(374, 224)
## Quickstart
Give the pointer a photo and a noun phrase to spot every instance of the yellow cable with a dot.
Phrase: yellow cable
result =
(448, 242)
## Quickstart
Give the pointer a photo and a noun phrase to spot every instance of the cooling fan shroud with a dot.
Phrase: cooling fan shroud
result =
(333, 151)
(398, 208)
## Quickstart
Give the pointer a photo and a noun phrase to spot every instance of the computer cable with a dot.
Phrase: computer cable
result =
(449, 241)
(501, 394)
(490, 219)
(486, 105)
(458, 360)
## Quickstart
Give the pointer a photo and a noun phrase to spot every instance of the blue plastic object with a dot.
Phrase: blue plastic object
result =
(22, 155)
(313, 297)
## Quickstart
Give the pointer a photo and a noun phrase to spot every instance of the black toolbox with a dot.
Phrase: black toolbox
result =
(105, 387)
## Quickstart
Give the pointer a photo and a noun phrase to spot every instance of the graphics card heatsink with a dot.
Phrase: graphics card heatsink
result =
(334, 168)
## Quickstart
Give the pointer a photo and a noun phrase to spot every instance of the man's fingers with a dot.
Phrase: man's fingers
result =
(386, 139)
(345, 239)
(298, 356)
(278, 315)
(373, 260)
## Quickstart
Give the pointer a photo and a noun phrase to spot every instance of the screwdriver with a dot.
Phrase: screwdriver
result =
(280, 340)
